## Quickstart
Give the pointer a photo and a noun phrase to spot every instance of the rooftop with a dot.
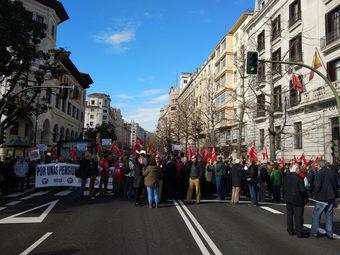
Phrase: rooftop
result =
(57, 6)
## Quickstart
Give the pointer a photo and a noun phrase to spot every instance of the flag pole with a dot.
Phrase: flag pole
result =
(323, 64)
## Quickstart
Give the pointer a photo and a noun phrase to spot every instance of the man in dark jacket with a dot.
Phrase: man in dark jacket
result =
(295, 196)
(236, 180)
(325, 192)
(196, 173)
(170, 172)
(252, 173)
(220, 174)
(84, 168)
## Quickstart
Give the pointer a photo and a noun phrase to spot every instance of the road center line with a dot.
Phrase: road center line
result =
(193, 232)
(271, 210)
(63, 193)
(33, 246)
(201, 230)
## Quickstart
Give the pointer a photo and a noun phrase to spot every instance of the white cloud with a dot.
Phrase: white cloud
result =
(146, 117)
(124, 96)
(151, 92)
(146, 79)
(158, 100)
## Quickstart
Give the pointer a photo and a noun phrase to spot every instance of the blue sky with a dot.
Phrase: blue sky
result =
(135, 49)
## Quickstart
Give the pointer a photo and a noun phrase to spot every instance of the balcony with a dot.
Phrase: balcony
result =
(330, 40)
(320, 94)
(294, 19)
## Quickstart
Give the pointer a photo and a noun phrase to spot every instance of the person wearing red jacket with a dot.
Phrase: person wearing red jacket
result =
(104, 174)
(118, 175)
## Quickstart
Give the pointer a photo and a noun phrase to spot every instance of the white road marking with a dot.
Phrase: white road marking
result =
(14, 203)
(2, 208)
(201, 230)
(193, 232)
(15, 219)
(63, 193)
(322, 231)
(271, 210)
(18, 194)
(40, 193)
(33, 246)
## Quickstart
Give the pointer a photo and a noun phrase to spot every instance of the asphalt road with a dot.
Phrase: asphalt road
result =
(111, 225)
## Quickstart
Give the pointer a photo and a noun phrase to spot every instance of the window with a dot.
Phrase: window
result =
(173, 108)
(92, 102)
(218, 52)
(57, 102)
(235, 76)
(228, 136)
(104, 117)
(294, 96)
(276, 28)
(223, 63)
(53, 31)
(261, 41)
(39, 19)
(223, 45)
(104, 111)
(91, 116)
(333, 25)
(48, 95)
(294, 12)
(185, 81)
(14, 129)
(73, 111)
(221, 82)
(295, 48)
(277, 99)
(220, 116)
(235, 114)
(63, 105)
(234, 135)
(261, 105)
(276, 56)
(333, 68)
(298, 135)
(220, 99)
(69, 108)
(92, 110)
(261, 76)
(81, 116)
(261, 138)
(278, 138)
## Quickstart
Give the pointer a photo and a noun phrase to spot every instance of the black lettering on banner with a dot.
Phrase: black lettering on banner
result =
(41, 170)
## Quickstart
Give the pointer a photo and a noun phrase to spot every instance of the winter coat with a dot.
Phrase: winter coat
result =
(170, 170)
(325, 185)
(152, 176)
(220, 169)
(104, 164)
(196, 171)
(252, 174)
(276, 178)
(295, 192)
(236, 175)
(84, 168)
(138, 174)
(209, 172)
(93, 168)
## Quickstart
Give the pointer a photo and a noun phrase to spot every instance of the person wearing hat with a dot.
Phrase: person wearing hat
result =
(295, 196)
(236, 181)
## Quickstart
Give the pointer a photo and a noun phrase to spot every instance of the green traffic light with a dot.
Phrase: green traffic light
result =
(252, 69)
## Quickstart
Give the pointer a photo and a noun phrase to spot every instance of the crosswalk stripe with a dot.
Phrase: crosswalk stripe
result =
(271, 210)
(322, 231)
(18, 194)
(39, 193)
(2, 208)
(14, 203)
(63, 193)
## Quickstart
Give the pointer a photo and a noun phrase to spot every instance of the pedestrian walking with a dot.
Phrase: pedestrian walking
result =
(21, 168)
(196, 172)
(220, 175)
(295, 196)
(325, 193)
(151, 181)
(236, 181)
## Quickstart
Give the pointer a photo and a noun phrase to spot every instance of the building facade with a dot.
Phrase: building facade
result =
(98, 110)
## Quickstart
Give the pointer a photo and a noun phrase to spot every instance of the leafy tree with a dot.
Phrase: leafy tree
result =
(104, 131)
(22, 63)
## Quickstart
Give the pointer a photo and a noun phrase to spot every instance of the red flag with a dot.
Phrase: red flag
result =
(54, 152)
(213, 154)
(295, 160)
(73, 152)
(265, 153)
(138, 146)
(99, 148)
(252, 153)
(296, 83)
(318, 158)
(282, 160)
(206, 154)
(139, 141)
(114, 149)
(304, 161)
(190, 153)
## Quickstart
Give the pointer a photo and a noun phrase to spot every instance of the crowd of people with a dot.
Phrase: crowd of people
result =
(178, 177)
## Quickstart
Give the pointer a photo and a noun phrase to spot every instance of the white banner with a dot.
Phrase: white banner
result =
(61, 174)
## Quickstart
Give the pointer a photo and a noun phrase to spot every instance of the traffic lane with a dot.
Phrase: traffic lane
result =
(111, 226)
(246, 229)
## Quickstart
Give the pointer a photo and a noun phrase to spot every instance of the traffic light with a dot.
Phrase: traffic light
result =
(74, 93)
(252, 62)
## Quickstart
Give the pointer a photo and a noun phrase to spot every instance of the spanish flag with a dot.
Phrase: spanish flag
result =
(316, 64)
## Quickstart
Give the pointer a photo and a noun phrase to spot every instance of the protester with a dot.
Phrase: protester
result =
(276, 181)
(117, 177)
(129, 177)
(21, 168)
(93, 173)
(236, 179)
(252, 180)
(220, 173)
(170, 174)
(104, 174)
(160, 164)
(151, 181)
(196, 172)
(209, 176)
(180, 178)
(295, 196)
(84, 169)
(325, 193)
(138, 178)
(263, 179)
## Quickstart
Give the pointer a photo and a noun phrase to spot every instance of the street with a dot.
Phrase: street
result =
(112, 225)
